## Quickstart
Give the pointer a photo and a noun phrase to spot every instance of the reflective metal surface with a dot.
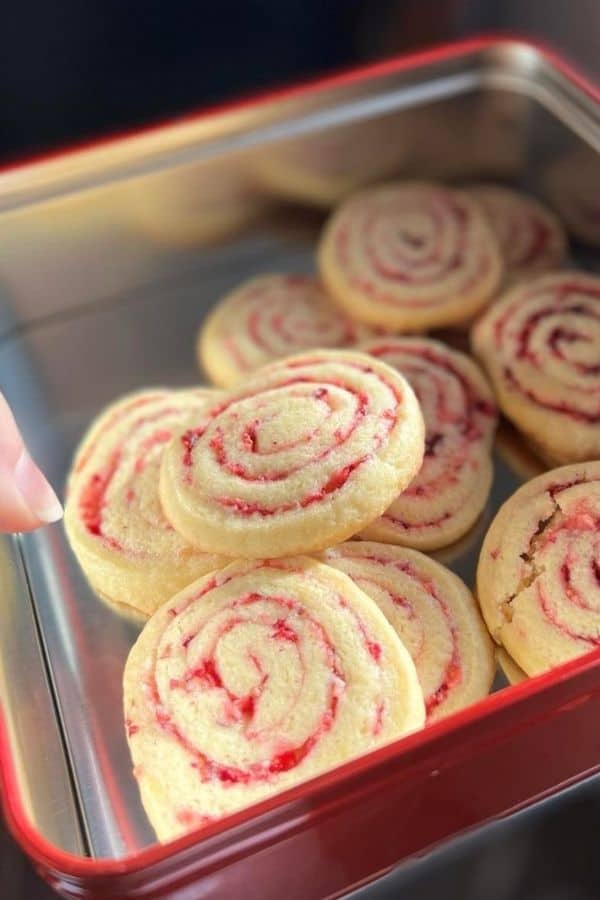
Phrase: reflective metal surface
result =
(42, 771)
(102, 290)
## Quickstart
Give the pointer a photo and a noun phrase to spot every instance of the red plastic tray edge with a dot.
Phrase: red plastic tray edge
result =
(51, 860)
(387, 66)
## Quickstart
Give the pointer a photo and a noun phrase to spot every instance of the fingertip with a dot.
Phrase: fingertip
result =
(29, 504)
(36, 491)
(27, 500)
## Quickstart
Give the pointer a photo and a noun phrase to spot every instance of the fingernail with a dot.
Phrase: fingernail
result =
(35, 490)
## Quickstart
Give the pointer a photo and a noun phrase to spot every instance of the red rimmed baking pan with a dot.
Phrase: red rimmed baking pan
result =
(109, 259)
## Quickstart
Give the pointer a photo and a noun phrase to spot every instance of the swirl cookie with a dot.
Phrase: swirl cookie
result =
(531, 238)
(514, 452)
(306, 453)
(540, 344)
(410, 256)
(434, 614)
(538, 579)
(256, 678)
(453, 484)
(267, 318)
(113, 518)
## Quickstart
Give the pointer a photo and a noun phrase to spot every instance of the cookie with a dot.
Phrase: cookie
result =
(410, 256)
(538, 578)
(451, 489)
(435, 616)
(540, 345)
(113, 518)
(531, 238)
(461, 555)
(304, 454)
(512, 672)
(267, 318)
(254, 679)
(513, 450)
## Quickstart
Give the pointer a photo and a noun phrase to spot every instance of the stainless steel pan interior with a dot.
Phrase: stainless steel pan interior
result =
(110, 259)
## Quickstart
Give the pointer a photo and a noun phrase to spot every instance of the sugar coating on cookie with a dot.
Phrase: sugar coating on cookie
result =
(433, 613)
(113, 518)
(256, 678)
(304, 454)
(531, 238)
(269, 317)
(538, 578)
(410, 256)
(541, 347)
(448, 494)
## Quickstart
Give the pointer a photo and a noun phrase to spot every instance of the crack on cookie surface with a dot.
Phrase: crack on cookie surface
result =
(528, 556)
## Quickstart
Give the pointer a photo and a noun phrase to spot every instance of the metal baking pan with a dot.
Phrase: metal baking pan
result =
(110, 256)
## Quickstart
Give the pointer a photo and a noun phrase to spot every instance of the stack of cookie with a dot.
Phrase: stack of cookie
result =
(274, 526)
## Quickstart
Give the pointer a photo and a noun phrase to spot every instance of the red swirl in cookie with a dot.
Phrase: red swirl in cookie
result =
(538, 578)
(256, 678)
(434, 614)
(267, 318)
(310, 449)
(452, 486)
(410, 256)
(541, 347)
(531, 238)
(113, 516)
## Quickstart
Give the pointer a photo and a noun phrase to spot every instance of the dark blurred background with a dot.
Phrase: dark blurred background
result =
(78, 69)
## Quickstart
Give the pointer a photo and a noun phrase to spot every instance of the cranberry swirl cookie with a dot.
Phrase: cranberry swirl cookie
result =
(254, 679)
(531, 238)
(451, 489)
(306, 453)
(113, 518)
(434, 614)
(267, 318)
(538, 579)
(541, 347)
(410, 256)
